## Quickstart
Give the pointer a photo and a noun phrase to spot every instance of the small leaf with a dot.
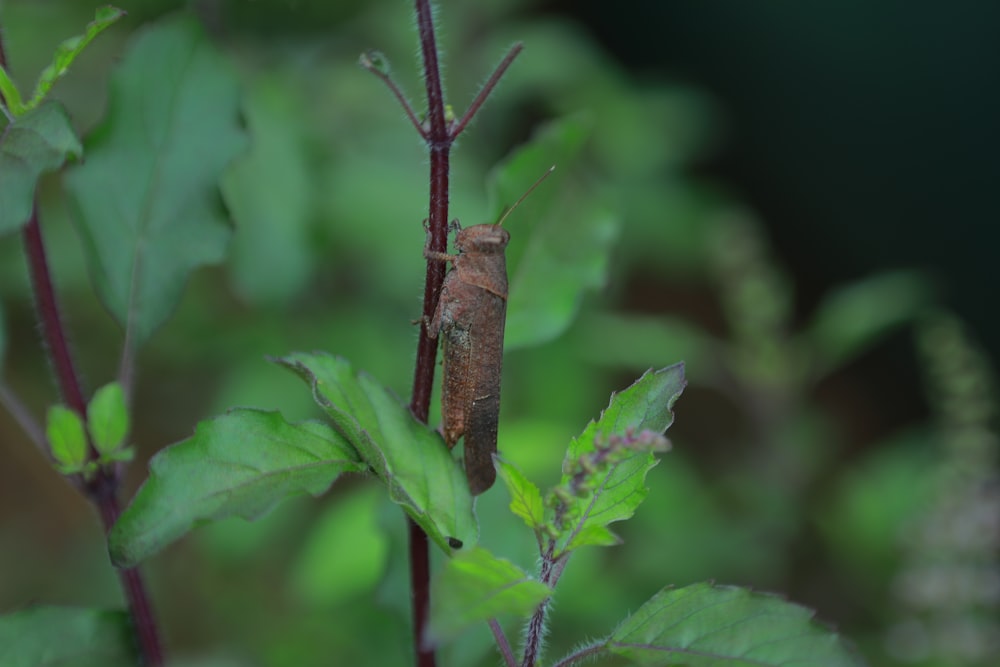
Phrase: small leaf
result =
(704, 625)
(567, 238)
(405, 454)
(856, 316)
(107, 418)
(593, 535)
(239, 464)
(59, 636)
(67, 52)
(67, 439)
(146, 199)
(475, 586)
(11, 94)
(525, 498)
(375, 61)
(646, 405)
(37, 142)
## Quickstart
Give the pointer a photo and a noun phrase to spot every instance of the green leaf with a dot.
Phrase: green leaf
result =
(146, 198)
(60, 636)
(704, 625)
(67, 52)
(37, 142)
(594, 535)
(644, 406)
(107, 418)
(474, 587)
(855, 317)
(239, 464)
(268, 192)
(11, 94)
(568, 237)
(525, 498)
(408, 456)
(64, 429)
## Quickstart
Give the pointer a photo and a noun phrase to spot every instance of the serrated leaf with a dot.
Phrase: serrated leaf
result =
(724, 626)
(68, 441)
(268, 192)
(408, 456)
(37, 142)
(146, 200)
(569, 237)
(67, 52)
(856, 316)
(107, 418)
(63, 636)
(475, 586)
(239, 464)
(646, 405)
(525, 497)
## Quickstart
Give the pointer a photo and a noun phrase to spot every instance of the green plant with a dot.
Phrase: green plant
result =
(242, 463)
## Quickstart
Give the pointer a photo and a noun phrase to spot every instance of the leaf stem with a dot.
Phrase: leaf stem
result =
(23, 417)
(580, 654)
(503, 644)
(487, 88)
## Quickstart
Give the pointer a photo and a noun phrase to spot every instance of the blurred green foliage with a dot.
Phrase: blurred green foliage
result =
(763, 487)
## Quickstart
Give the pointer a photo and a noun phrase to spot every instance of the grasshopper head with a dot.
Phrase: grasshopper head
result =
(482, 239)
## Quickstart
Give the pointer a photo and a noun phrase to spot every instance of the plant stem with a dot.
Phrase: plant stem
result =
(101, 490)
(24, 419)
(439, 143)
(549, 573)
(502, 643)
(439, 138)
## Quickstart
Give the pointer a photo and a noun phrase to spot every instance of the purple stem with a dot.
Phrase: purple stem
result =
(439, 143)
(102, 489)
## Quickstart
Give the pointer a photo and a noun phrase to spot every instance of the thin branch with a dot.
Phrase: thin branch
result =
(432, 77)
(485, 91)
(503, 644)
(368, 61)
(24, 418)
(581, 654)
(51, 323)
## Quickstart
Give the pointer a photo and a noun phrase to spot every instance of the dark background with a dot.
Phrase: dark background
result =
(866, 134)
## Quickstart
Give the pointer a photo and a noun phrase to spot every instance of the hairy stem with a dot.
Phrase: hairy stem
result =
(439, 143)
(580, 655)
(549, 573)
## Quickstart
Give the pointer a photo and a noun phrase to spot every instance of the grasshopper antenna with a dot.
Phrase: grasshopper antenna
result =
(524, 196)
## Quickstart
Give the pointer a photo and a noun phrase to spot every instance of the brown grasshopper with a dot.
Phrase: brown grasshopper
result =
(469, 317)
